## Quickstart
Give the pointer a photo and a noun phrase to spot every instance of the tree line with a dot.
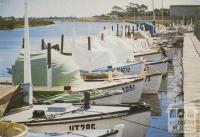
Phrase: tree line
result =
(12, 22)
(133, 9)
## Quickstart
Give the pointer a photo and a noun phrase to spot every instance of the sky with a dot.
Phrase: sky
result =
(78, 8)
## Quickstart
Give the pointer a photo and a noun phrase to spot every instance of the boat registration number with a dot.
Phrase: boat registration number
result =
(123, 70)
(128, 88)
(81, 127)
(147, 79)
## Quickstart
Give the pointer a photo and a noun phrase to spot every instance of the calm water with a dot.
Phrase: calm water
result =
(11, 42)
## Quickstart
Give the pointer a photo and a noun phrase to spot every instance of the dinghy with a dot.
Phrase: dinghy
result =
(5, 96)
(68, 117)
(11, 129)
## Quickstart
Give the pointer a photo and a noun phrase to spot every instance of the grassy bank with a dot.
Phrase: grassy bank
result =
(12, 23)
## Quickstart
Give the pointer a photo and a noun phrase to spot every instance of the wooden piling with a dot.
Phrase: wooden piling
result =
(49, 55)
(133, 31)
(43, 44)
(23, 43)
(62, 43)
(129, 31)
(117, 29)
(112, 28)
(89, 43)
(102, 36)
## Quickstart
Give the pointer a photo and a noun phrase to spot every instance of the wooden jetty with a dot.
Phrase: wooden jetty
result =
(191, 82)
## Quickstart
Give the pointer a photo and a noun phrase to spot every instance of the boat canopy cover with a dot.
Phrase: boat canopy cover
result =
(64, 69)
(121, 50)
(89, 60)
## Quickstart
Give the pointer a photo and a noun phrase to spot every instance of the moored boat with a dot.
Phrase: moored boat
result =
(11, 129)
(117, 131)
(152, 83)
(68, 117)
(155, 67)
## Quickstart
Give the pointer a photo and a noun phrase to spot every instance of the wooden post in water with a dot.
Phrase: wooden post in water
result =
(102, 36)
(43, 45)
(117, 29)
(62, 43)
(112, 28)
(129, 31)
(49, 68)
(23, 43)
(90, 56)
(133, 31)
(89, 44)
(104, 27)
(125, 30)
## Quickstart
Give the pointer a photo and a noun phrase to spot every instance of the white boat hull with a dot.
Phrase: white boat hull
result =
(152, 83)
(157, 67)
(130, 93)
(133, 68)
(130, 128)
(156, 56)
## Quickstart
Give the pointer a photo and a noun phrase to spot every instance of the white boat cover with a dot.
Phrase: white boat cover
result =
(97, 57)
(121, 50)
(64, 69)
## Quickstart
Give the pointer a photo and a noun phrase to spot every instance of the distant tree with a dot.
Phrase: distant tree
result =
(132, 9)
(116, 10)
(142, 9)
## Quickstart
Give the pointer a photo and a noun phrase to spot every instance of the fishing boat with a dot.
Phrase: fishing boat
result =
(65, 77)
(97, 58)
(153, 64)
(70, 117)
(152, 83)
(159, 67)
(117, 131)
(11, 129)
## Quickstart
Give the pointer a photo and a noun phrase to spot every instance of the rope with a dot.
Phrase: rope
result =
(134, 122)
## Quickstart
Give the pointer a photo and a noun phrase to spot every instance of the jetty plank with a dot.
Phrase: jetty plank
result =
(191, 85)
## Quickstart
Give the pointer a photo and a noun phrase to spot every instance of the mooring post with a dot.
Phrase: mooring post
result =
(43, 45)
(133, 31)
(125, 30)
(23, 43)
(89, 44)
(112, 28)
(117, 29)
(129, 33)
(62, 43)
(49, 68)
(102, 36)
